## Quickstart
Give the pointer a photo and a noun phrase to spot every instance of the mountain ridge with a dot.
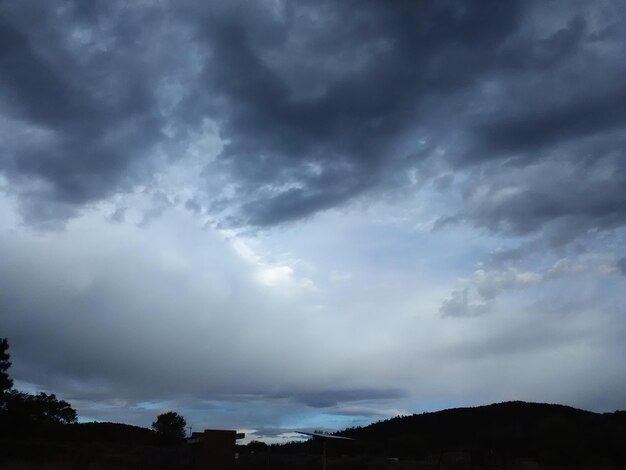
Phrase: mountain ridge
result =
(550, 433)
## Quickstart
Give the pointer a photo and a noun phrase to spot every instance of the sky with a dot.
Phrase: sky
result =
(278, 215)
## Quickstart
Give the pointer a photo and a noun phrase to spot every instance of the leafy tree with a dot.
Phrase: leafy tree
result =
(5, 381)
(38, 409)
(256, 446)
(22, 412)
(170, 425)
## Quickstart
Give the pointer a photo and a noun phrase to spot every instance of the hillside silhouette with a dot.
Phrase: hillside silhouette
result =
(85, 445)
(492, 436)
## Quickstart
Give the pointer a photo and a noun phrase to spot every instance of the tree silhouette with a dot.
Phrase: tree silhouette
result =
(24, 413)
(170, 426)
(5, 381)
(34, 410)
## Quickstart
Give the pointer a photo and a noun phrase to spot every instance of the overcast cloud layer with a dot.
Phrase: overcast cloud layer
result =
(273, 215)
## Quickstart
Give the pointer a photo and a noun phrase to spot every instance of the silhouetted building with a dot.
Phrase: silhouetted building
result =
(213, 449)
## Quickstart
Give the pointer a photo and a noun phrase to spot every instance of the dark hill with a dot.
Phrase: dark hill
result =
(90, 445)
(549, 434)
(108, 432)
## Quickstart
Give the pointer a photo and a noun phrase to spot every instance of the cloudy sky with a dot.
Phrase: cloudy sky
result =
(276, 215)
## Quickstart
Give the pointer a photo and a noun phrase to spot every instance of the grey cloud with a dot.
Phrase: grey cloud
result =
(272, 432)
(312, 98)
(479, 292)
(545, 106)
(526, 51)
(551, 328)
(319, 103)
(193, 206)
(106, 321)
(544, 149)
(564, 321)
(296, 202)
(330, 398)
(319, 151)
(91, 102)
(559, 193)
(509, 118)
(165, 312)
(162, 312)
(460, 304)
(118, 215)
(542, 127)
(521, 339)
(316, 139)
(160, 203)
(363, 411)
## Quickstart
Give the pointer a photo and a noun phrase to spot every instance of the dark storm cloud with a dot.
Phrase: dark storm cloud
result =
(545, 126)
(550, 140)
(317, 114)
(311, 98)
(566, 197)
(88, 109)
(329, 398)
(320, 102)
(333, 102)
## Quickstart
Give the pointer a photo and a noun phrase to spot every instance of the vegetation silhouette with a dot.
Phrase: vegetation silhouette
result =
(170, 427)
(5, 381)
(42, 429)
(491, 436)
(25, 414)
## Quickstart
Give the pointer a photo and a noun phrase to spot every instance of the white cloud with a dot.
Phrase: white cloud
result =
(271, 275)
(476, 294)
(489, 284)
(460, 305)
